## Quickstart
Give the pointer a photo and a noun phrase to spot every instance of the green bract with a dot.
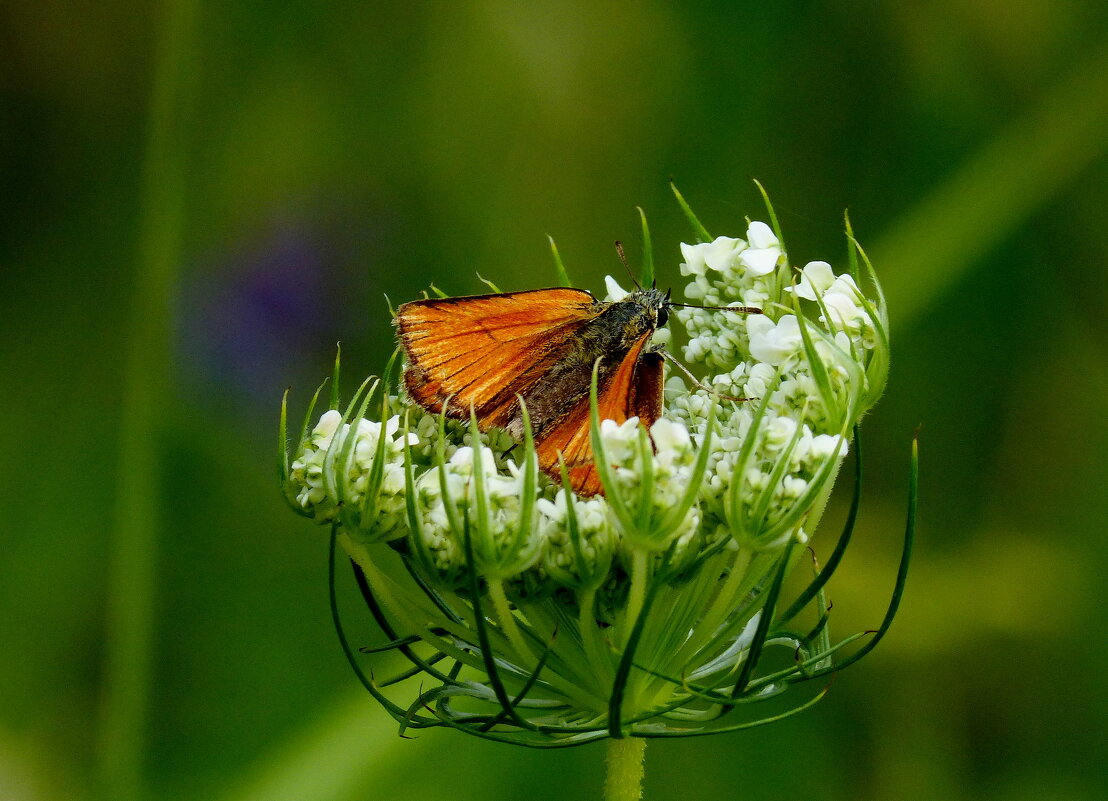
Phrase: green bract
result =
(545, 619)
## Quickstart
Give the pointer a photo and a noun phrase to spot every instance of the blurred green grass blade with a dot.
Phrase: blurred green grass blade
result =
(352, 748)
(133, 548)
(283, 440)
(997, 190)
(490, 284)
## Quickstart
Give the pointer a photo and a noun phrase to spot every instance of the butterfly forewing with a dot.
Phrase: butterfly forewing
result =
(481, 351)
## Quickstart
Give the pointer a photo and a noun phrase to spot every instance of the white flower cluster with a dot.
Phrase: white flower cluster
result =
(583, 563)
(768, 461)
(795, 423)
(839, 297)
(425, 425)
(329, 449)
(744, 349)
(504, 544)
(666, 460)
(727, 272)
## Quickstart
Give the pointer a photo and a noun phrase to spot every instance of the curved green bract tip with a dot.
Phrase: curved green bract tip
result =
(647, 277)
(701, 232)
(559, 267)
(772, 214)
(333, 403)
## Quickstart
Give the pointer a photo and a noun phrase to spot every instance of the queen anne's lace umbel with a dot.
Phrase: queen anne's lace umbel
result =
(593, 614)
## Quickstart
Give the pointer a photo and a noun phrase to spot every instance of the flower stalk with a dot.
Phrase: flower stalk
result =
(625, 769)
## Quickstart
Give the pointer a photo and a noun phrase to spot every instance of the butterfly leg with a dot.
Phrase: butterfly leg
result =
(672, 360)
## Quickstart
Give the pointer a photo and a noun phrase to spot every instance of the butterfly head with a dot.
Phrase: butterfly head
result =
(654, 302)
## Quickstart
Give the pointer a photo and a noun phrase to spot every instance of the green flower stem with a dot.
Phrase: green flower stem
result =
(725, 600)
(508, 620)
(591, 642)
(625, 769)
(637, 596)
(381, 587)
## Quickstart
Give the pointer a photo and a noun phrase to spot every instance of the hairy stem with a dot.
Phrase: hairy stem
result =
(625, 769)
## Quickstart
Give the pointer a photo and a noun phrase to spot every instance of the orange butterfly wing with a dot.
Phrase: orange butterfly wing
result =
(633, 389)
(482, 350)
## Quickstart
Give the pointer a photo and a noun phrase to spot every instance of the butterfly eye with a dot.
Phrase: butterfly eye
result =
(663, 316)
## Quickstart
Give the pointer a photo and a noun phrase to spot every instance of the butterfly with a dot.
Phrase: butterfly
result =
(486, 352)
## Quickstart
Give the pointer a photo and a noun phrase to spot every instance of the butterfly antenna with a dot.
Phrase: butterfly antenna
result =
(626, 266)
(736, 309)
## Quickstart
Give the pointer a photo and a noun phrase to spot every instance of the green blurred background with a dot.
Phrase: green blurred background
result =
(200, 199)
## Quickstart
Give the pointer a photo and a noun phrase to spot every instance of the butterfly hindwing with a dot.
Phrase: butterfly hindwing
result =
(632, 389)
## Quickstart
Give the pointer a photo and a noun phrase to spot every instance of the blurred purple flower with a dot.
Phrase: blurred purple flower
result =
(253, 312)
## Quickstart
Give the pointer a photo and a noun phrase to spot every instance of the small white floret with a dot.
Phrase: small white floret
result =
(816, 278)
(773, 343)
(764, 252)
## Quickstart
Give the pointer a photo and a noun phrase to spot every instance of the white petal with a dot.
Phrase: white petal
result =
(761, 235)
(669, 435)
(462, 456)
(488, 461)
(615, 291)
(773, 345)
(845, 284)
(758, 326)
(328, 423)
(816, 278)
(760, 261)
(549, 509)
(694, 259)
(761, 372)
(780, 430)
(841, 308)
(720, 254)
(819, 275)
(803, 290)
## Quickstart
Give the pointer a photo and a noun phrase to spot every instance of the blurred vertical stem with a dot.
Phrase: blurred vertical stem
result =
(625, 769)
(133, 545)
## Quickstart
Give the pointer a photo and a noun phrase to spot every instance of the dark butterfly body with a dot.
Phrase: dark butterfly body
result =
(488, 351)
